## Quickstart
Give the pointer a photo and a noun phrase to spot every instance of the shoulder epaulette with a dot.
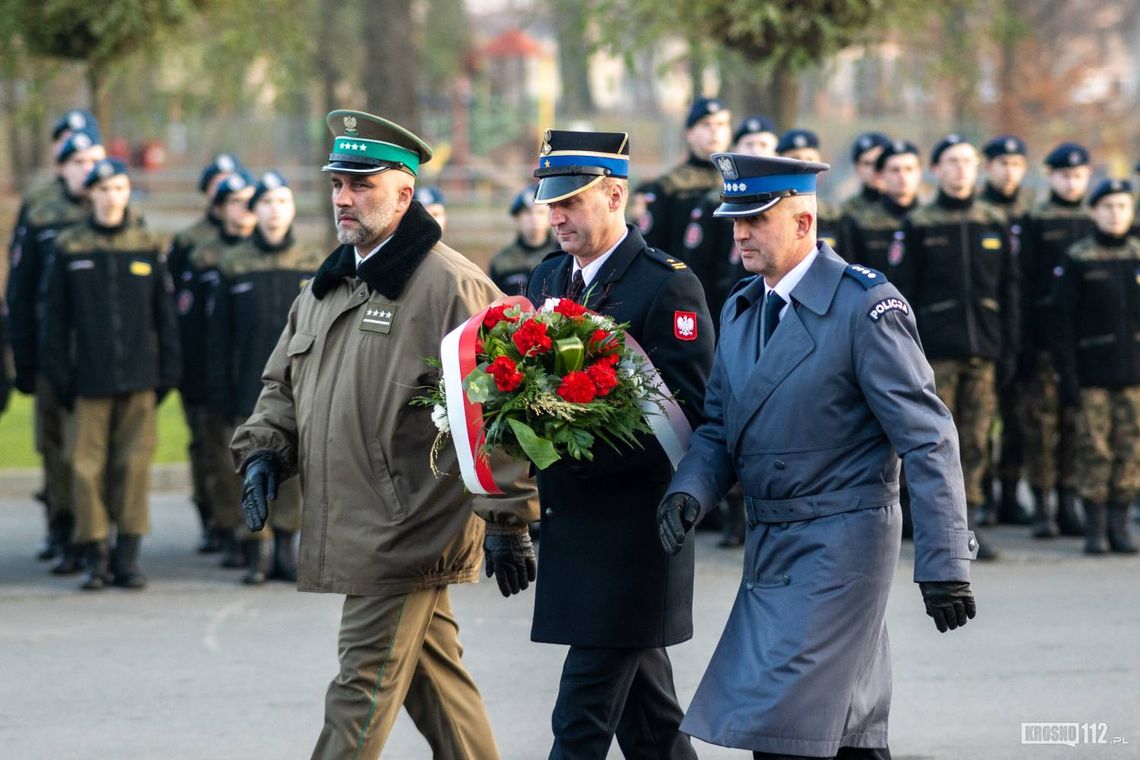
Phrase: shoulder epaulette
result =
(669, 262)
(865, 276)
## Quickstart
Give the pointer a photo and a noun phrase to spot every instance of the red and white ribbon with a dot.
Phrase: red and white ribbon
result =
(662, 412)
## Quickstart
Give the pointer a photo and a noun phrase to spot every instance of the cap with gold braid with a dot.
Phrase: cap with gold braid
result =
(367, 144)
(570, 162)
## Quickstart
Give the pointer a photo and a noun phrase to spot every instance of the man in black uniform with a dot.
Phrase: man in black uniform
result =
(192, 386)
(27, 288)
(1006, 165)
(873, 234)
(803, 145)
(865, 152)
(603, 587)
(511, 267)
(962, 280)
(110, 352)
(260, 279)
(674, 197)
(1098, 360)
(1049, 422)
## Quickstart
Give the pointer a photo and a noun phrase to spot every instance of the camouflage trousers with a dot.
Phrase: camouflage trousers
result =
(1050, 429)
(1108, 426)
(966, 386)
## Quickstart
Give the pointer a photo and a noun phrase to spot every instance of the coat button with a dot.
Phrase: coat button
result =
(780, 464)
(550, 511)
(785, 579)
(973, 544)
(749, 585)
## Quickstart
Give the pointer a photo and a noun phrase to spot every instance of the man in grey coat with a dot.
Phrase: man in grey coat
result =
(818, 388)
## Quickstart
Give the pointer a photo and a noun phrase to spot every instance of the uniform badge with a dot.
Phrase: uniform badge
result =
(896, 250)
(185, 302)
(350, 126)
(727, 167)
(140, 268)
(1074, 158)
(685, 325)
(991, 242)
(378, 318)
(225, 163)
(1011, 146)
(75, 121)
(800, 141)
(887, 304)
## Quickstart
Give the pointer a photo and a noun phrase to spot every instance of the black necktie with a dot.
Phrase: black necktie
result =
(577, 286)
(772, 305)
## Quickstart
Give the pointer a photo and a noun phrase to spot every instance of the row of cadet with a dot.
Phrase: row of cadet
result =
(1029, 311)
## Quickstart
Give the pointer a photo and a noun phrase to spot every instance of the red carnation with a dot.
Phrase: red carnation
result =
(603, 341)
(603, 376)
(506, 374)
(531, 338)
(497, 314)
(568, 308)
(577, 388)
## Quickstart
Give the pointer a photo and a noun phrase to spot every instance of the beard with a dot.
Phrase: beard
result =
(369, 226)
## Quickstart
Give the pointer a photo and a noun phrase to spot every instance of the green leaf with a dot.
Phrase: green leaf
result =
(538, 450)
(480, 387)
(569, 354)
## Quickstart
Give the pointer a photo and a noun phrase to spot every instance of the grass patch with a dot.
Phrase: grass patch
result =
(17, 443)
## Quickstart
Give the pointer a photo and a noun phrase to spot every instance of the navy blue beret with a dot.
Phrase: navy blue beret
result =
(754, 125)
(895, 148)
(1109, 187)
(1005, 145)
(428, 195)
(235, 182)
(524, 199)
(949, 141)
(703, 107)
(1066, 155)
(271, 180)
(223, 163)
(866, 142)
(75, 120)
(80, 139)
(105, 169)
(795, 139)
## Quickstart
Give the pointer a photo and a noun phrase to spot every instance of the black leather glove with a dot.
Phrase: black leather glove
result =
(510, 558)
(676, 515)
(260, 488)
(950, 603)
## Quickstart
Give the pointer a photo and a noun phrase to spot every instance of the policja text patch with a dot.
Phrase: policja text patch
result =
(888, 304)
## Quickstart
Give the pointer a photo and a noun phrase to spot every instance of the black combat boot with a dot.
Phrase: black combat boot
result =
(71, 558)
(284, 556)
(97, 576)
(258, 561)
(211, 540)
(1119, 534)
(59, 533)
(986, 550)
(1043, 524)
(988, 513)
(126, 565)
(1068, 518)
(1096, 526)
(232, 556)
(1009, 509)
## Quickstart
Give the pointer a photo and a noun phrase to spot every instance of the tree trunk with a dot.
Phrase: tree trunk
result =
(785, 96)
(574, 59)
(391, 80)
(97, 94)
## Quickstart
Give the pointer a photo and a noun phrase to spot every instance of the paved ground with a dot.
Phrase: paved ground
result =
(199, 667)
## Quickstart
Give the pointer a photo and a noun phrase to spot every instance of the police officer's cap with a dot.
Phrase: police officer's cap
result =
(74, 120)
(223, 163)
(234, 183)
(525, 199)
(865, 142)
(1067, 155)
(105, 169)
(703, 107)
(947, 142)
(1109, 187)
(754, 125)
(1004, 145)
(428, 196)
(77, 141)
(570, 162)
(797, 139)
(895, 148)
(754, 184)
(368, 144)
(269, 181)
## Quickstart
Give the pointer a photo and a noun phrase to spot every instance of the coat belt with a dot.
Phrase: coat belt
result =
(820, 505)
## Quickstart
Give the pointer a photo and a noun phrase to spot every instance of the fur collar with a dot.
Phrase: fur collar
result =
(388, 271)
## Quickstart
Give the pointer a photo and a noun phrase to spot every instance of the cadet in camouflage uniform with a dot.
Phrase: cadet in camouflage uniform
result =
(231, 201)
(260, 279)
(1049, 423)
(191, 329)
(27, 288)
(865, 152)
(803, 145)
(872, 234)
(674, 197)
(1006, 165)
(111, 352)
(961, 279)
(511, 267)
(1098, 359)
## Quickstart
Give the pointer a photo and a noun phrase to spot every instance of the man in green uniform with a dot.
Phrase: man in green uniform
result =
(511, 267)
(110, 352)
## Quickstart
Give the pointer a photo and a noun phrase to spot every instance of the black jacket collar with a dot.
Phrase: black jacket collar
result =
(390, 269)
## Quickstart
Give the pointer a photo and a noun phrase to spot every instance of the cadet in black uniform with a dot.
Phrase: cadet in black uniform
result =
(603, 587)
(110, 352)
(865, 152)
(873, 234)
(511, 267)
(1098, 361)
(962, 280)
(192, 387)
(27, 288)
(803, 145)
(1005, 167)
(1050, 423)
(260, 279)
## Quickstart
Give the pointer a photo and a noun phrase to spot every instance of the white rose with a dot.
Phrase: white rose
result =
(439, 418)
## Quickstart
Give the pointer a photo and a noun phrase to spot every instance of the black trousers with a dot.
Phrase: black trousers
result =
(845, 753)
(627, 692)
